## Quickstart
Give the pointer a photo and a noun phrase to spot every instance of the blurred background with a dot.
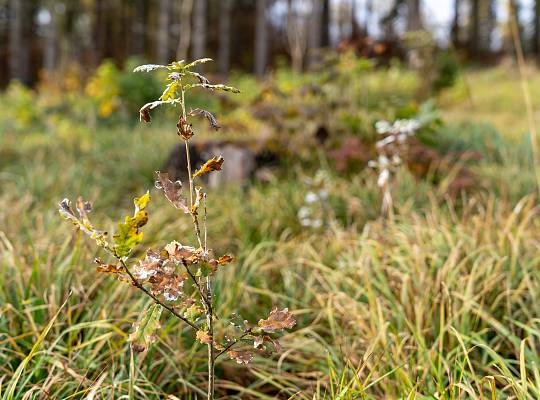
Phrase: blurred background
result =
(249, 36)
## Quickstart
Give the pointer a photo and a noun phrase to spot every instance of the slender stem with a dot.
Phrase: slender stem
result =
(204, 224)
(188, 158)
(207, 300)
(190, 174)
(139, 286)
(236, 341)
(197, 285)
(211, 356)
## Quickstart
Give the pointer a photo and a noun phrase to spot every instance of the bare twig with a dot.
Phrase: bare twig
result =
(230, 345)
(196, 282)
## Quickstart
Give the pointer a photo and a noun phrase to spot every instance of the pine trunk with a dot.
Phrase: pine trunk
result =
(224, 52)
(163, 31)
(18, 42)
(414, 15)
(261, 38)
(199, 29)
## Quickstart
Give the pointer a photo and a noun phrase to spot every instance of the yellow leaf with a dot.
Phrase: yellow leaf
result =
(214, 164)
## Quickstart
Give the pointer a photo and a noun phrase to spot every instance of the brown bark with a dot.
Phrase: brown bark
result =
(224, 52)
(18, 61)
(163, 31)
(198, 41)
(261, 38)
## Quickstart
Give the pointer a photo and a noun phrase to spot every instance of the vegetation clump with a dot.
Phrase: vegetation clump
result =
(179, 277)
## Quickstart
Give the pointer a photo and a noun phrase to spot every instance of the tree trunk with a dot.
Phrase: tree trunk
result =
(315, 32)
(536, 35)
(224, 53)
(18, 41)
(355, 28)
(199, 29)
(455, 32)
(474, 35)
(163, 31)
(50, 52)
(325, 24)
(185, 30)
(139, 28)
(98, 32)
(414, 15)
(261, 38)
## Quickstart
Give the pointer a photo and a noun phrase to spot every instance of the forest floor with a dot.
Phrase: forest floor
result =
(441, 301)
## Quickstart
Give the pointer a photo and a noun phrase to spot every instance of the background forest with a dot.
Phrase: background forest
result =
(381, 181)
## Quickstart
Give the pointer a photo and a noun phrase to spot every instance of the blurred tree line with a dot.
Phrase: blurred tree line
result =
(248, 35)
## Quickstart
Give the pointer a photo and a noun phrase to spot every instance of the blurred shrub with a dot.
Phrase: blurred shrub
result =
(447, 71)
(104, 89)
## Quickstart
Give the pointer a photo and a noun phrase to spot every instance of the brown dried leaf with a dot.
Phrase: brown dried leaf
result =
(203, 337)
(184, 129)
(149, 266)
(108, 268)
(198, 198)
(214, 164)
(208, 115)
(163, 278)
(277, 321)
(144, 115)
(259, 341)
(241, 357)
(172, 190)
(168, 284)
(224, 259)
(180, 254)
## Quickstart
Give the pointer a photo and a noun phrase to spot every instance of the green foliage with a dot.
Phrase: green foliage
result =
(161, 275)
(128, 235)
(144, 329)
(447, 65)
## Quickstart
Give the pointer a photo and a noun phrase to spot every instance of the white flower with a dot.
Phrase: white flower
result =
(304, 212)
(383, 161)
(311, 198)
(386, 141)
(383, 178)
(305, 222)
(382, 127)
(316, 223)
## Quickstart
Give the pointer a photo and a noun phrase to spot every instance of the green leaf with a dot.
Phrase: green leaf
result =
(141, 202)
(193, 312)
(170, 91)
(176, 65)
(144, 329)
(204, 270)
(128, 235)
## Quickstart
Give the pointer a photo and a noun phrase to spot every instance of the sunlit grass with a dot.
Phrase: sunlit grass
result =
(441, 301)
